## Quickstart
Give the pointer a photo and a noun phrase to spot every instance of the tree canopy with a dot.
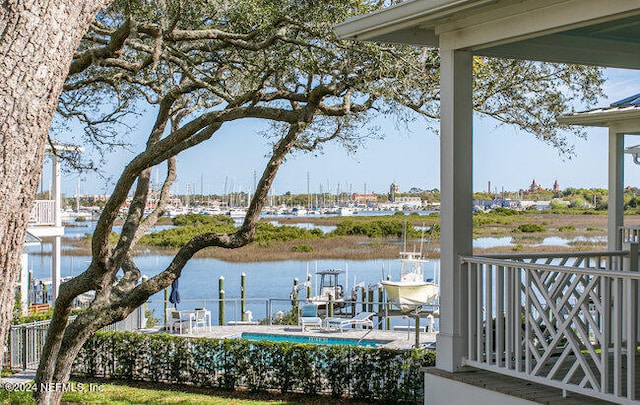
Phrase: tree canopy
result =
(201, 64)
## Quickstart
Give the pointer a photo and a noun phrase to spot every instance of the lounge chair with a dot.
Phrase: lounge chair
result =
(309, 316)
(363, 319)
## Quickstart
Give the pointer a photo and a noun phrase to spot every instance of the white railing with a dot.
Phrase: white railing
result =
(566, 320)
(630, 234)
(27, 340)
(43, 213)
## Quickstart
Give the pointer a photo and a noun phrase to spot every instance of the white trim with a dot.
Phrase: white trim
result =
(508, 22)
(604, 117)
(410, 14)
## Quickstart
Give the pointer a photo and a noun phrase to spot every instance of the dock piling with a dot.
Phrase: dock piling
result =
(330, 306)
(166, 305)
(380, 306)
(294, 295)
(221, 320)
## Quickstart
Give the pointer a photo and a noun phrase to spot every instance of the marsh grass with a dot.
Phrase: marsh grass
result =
(364, 248)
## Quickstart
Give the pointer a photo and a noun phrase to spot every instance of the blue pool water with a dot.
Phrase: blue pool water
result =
(313, 339)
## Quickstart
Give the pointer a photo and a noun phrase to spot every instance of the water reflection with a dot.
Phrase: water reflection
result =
(493, 242)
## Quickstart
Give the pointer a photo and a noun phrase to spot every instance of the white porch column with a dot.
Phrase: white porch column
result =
(57, 192)
(24, 284)
(616, 189)
(456, 126)
(55, 253)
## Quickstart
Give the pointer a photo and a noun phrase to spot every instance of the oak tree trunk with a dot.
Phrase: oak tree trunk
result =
(37, 42)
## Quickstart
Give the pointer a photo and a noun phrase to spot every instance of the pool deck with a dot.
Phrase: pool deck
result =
(397, 339)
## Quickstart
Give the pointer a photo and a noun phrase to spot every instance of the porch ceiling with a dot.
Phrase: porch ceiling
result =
(597, 32)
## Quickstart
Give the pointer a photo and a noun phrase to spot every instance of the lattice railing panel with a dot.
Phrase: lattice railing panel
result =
(573, 326)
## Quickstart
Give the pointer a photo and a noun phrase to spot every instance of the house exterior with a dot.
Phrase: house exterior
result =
(566, 321)
(46, 222)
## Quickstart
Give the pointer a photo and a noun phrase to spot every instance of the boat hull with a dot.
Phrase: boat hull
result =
(411, 296)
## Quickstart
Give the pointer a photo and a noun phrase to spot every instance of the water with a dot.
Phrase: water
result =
(309, 226)
(199, 279)
(491, 242)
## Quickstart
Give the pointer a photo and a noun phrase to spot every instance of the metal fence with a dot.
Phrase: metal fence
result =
(26, 341)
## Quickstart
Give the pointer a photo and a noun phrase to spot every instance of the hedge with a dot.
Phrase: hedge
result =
(357, 372)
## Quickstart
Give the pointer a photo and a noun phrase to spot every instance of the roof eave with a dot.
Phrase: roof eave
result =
(414, 17)
(603, 118)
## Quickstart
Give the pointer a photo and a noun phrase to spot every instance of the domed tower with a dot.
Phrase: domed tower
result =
(393, 190)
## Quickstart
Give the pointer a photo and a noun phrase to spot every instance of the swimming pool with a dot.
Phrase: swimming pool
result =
(319, 340)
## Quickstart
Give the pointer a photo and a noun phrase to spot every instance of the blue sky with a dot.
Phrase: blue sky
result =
(504, 155)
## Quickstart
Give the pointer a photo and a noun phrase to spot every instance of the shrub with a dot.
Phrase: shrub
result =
(504, 211)
(200, 219)
(302, 248)
(530, 228)
(266, 231)
(367, 374)
(567, 228)
(378, 228)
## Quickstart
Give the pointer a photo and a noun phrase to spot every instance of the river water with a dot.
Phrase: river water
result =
(265, 280)
(200, 278)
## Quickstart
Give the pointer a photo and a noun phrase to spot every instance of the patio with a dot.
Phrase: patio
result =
(395, 339)
(566, 322)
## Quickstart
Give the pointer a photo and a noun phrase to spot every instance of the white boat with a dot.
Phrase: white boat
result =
(299, 211)
(329, 287)
(346, 211)
(237, 213)
(411, 292)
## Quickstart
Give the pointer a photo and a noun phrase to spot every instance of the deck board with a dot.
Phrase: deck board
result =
(516, 387)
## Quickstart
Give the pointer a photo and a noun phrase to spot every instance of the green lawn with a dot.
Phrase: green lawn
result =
(114, 393)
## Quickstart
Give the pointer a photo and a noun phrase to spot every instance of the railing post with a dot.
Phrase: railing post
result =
(633, 256)
(269, 310)
(632, 321)
(243, 296)
(25, 351)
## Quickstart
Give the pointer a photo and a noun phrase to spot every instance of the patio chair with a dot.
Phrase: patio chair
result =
(309, 316)
(198, 318)
(174, 320)
(362, 319)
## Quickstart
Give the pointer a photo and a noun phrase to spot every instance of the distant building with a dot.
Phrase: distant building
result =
(534, 187)
(411, 202)
(556, 187)
(362, 198)
(393, 190)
